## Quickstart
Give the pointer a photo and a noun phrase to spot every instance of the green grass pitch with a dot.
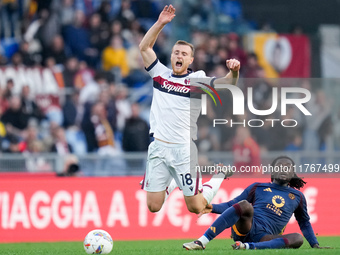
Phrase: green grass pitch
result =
(218, 246)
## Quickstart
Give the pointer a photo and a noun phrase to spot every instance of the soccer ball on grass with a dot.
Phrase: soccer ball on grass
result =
(98, 241)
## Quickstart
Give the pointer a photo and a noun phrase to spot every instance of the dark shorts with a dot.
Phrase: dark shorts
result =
(254, 235)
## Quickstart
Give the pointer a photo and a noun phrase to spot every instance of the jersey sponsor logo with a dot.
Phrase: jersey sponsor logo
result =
(278, 201)
(274, 209)
(291, 196)
(169, 86)
(267, 189)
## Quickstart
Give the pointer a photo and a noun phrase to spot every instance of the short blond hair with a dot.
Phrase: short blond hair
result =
(181, 42)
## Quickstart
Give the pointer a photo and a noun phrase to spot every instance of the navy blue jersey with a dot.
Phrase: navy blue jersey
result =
(273, 207)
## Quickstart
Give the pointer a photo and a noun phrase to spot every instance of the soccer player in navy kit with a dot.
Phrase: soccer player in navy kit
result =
(260, 214)
(172, 155)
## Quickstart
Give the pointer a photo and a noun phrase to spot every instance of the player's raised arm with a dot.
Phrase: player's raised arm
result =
(146, 45)
(233, 75)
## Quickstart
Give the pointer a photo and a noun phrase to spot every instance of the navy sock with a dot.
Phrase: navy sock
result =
(272, 244)
(227, 219)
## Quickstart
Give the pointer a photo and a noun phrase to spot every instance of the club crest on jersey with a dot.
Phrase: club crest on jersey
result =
(187, 81)
(291, 196)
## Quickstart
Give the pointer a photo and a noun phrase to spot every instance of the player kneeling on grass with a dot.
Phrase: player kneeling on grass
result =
(260, 214)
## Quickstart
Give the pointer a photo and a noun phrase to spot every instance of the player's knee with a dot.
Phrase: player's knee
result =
(154, 207)
(297, 240)
(246, 207)
(194, 209)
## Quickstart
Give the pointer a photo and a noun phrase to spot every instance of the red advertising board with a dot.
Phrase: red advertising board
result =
(59, 209)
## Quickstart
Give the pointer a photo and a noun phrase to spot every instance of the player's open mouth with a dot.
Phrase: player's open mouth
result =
(178, 64)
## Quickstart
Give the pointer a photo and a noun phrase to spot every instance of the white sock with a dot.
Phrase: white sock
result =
(211, 187)
(247, 246)
(170, 188)
(204, 240)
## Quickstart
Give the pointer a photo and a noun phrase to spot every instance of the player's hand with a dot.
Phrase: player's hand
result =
(321, 247)
(233, 65)
(167, 14)
(207, 209)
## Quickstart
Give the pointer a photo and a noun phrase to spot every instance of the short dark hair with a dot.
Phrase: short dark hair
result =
(182, 42)
(296, 182)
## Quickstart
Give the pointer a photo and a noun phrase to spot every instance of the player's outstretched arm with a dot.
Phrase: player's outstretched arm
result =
(306, 228)
(146, 45)
(233, 75)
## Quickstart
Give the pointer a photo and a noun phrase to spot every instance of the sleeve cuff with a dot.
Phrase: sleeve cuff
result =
(151, 66)
(212, 82)
(218, 208)
(213, 209)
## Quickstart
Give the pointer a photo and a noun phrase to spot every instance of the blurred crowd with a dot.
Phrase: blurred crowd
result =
(95, 43)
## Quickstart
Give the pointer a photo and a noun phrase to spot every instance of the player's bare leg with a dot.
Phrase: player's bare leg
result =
(155, 200)
(243, 225)
(197, 203)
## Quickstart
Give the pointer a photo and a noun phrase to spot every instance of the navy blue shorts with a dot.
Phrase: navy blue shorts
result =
(254, 235)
